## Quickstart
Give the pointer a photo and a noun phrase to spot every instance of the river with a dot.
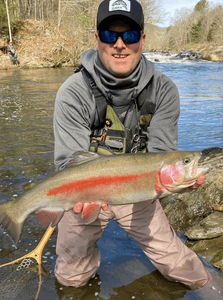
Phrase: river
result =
(26, 156)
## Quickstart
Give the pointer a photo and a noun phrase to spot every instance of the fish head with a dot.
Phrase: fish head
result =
(181, 171)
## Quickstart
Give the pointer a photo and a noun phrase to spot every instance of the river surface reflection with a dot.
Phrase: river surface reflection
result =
(26, 156)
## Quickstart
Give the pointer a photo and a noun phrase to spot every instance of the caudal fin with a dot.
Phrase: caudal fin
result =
(12, 227)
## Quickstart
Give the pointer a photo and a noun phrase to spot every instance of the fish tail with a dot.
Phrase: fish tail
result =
(12, 226)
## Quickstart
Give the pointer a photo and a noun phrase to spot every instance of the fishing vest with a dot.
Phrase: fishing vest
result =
(111, 136)
(12, 49)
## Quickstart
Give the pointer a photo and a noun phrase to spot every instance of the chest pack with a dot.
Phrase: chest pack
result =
(110, 135)
(12, 49)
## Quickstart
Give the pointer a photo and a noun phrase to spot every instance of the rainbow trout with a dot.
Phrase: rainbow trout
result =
(113, 179)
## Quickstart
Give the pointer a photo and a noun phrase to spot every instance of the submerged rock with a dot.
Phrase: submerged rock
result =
(211, 251)
(210, 227)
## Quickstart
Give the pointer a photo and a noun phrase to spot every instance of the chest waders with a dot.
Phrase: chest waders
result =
(109, 134)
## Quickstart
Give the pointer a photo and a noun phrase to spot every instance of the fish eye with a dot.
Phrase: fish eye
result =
(186, 160)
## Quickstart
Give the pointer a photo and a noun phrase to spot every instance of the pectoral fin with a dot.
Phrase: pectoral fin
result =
(91, 212)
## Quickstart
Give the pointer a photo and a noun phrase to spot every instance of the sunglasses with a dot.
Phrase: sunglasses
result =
(111, 37)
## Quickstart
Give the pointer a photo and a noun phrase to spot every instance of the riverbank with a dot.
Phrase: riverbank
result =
(39, 47)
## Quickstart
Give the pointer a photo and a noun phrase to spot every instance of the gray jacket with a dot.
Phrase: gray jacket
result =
(75, 106)
(11, 49)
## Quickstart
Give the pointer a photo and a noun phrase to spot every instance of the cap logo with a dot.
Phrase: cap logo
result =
(124, 5)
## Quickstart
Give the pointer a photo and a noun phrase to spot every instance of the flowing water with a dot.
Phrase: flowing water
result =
(26, 156)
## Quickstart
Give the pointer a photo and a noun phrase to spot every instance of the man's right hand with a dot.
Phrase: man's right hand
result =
(78, 207)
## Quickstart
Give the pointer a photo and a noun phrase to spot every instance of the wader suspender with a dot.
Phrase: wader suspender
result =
(134, 143)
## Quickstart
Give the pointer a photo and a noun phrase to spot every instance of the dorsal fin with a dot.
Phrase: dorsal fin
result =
(80, 157)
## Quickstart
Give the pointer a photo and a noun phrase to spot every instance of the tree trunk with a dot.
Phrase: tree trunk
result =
(10, 34)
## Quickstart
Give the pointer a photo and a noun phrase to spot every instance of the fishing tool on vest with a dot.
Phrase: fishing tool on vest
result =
(136, 141)
(108, 123)
(114, 136)
(22, 278)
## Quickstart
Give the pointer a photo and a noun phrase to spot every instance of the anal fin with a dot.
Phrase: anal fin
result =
(46, 216)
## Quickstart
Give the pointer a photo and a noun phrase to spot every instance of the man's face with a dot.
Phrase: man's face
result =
(120, 59)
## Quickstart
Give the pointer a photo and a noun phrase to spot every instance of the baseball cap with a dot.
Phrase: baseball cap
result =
(110, 9)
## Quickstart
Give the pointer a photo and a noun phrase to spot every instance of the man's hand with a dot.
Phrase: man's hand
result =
(79, 206)
(199, 182)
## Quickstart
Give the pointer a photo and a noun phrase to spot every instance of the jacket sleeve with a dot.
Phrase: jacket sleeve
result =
(163, 130)
(72, 120)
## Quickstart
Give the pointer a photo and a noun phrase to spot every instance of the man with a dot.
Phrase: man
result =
(124, 78)
(12, 53)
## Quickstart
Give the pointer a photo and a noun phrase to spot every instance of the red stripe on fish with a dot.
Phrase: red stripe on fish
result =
(92, 182)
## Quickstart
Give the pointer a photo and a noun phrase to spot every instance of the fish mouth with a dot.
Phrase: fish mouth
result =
(194, 177)
(203, 171)
(192, 173)
(195, 171)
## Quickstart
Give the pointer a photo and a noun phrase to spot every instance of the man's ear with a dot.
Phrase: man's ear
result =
(96, 38)
(143, 40)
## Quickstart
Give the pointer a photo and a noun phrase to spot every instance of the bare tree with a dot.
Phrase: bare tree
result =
(215, 33)
(153, 11)
(200, 25)
(9, 26)
(178, 34)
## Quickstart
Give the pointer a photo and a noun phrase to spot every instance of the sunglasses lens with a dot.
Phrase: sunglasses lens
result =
(107, 36)
(128, 37)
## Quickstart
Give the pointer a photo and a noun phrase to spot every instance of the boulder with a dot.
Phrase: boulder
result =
(5, 62)
(211, 250)
(200, 212)
(188, 209)
(210, 227)
(217, 54)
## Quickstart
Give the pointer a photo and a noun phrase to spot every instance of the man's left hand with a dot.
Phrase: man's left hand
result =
(199, 182)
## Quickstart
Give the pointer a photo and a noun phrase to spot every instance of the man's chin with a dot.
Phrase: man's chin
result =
(120, 73)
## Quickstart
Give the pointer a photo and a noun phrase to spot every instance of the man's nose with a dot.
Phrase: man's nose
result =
(119, 43)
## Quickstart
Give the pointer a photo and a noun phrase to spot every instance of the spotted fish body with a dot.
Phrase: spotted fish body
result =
(121, 179)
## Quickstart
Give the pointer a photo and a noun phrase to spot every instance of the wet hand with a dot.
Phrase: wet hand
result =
(199, 182)
(78, 207)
